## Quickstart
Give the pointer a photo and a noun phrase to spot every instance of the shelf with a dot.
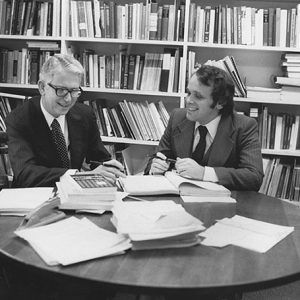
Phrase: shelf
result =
(283, 152)
(136, 92)
(30, 37)
(124, 41)
(253, 100)
(242, 47)
(19, 86)
(108, 139)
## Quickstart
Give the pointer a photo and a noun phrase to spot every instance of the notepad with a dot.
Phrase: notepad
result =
(171, 183)
(20, 201)
(246, 233)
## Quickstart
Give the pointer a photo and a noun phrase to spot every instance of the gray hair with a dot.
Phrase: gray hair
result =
(61, 61)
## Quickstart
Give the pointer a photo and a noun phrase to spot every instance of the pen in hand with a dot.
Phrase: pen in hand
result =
(170, 160)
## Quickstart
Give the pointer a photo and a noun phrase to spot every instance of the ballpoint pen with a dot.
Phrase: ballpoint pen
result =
(170, 160)
(103, 163)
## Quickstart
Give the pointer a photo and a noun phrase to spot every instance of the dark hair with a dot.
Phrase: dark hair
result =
(222, 86)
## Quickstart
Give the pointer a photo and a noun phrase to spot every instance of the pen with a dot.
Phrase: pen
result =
(170, 160)
(102, 163)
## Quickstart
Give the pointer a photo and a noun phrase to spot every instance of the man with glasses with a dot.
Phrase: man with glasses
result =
(53, 134)
(208, 140)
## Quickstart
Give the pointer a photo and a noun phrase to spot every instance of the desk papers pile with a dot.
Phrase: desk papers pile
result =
(73, 240)
(157, 224)
(246, 233)
(85, 191)
(23, 200)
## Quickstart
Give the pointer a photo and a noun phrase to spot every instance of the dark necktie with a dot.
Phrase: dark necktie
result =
(60, 144)
(198, 153)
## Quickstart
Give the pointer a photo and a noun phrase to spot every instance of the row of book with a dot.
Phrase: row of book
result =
(152, 71)
(128, 119)
(277, 130)
(244, 25)
(282, 179)
(23, 66)
(148, 21)
(227, 64)
(30, 17)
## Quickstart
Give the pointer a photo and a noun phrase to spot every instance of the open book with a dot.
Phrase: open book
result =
(171, 183)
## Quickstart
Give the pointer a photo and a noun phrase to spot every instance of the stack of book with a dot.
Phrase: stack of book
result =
(156, 225)
(86, 191)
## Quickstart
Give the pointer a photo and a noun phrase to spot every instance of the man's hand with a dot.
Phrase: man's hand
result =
(111, 170)
(159, 165)
(187, 167)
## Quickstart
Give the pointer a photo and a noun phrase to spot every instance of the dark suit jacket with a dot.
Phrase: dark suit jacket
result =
(32, 151)
(235, 153)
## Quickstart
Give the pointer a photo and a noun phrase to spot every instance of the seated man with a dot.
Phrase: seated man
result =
(52, 133)
(225, 148)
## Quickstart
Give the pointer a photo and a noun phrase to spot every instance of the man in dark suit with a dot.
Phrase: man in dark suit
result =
(224, 149)
(53, 134)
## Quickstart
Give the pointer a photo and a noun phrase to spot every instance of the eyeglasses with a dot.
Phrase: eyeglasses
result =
(62, 91)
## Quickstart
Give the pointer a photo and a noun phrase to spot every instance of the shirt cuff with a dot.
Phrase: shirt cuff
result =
(210, 175)
(69, 172)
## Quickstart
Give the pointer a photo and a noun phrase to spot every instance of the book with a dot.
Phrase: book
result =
(86, 190)
(170, 183)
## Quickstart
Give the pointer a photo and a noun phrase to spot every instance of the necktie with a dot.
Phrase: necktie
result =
(60, 144)
(198, 153)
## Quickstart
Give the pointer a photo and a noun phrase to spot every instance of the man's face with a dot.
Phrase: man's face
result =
(199, 102)
(55, 105)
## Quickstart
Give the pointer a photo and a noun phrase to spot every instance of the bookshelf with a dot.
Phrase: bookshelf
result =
(258, 62)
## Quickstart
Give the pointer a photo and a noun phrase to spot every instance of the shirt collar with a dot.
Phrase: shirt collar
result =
(212, 126)
(49, 118)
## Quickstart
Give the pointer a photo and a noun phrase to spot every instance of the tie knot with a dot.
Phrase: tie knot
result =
(55, 124)
(202, 130)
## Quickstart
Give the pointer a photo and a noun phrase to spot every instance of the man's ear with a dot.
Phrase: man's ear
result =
(41, 87)
(219, 106)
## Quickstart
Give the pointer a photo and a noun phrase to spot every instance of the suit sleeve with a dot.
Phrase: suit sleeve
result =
(248, 174)
(27, 172)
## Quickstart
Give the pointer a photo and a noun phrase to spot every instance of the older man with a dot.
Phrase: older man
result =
(53, 133)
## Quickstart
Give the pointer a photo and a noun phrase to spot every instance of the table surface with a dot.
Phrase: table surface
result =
(194, 269)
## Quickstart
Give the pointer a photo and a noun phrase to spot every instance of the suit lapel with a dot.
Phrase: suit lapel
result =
(223, 143)
(42, 130)
(183, 138)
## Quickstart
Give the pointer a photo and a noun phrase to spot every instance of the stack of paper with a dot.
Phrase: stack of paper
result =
(72, 240)
(157, 224)
(21, 201)
(86, 191)
(246, 233)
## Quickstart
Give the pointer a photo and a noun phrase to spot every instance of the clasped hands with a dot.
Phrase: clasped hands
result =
(186, 167)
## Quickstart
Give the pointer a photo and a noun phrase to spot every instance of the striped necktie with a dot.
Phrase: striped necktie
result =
(60, 144)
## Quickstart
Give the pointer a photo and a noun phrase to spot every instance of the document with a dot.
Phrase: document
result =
(171, 183)
(20, 201)
(73, 240)
(246, 233)
(156, 224)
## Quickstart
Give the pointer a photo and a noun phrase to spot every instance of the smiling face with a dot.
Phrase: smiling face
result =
(199, 102)
(54, 105)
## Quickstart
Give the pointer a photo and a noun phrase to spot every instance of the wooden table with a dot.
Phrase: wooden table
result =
(197, 270)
